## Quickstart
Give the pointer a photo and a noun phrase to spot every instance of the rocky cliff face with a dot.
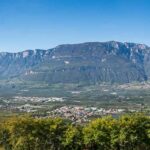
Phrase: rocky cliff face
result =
(90, 63)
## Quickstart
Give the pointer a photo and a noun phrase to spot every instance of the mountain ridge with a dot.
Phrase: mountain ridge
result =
(89, 62)
(111, 41)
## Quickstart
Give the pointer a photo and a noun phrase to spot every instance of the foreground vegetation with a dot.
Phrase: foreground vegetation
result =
(129, 132)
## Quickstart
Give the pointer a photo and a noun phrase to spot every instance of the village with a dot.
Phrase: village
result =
(53, 107)
(80, 114)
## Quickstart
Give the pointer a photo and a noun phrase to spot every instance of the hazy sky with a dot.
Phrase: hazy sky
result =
(31, 24)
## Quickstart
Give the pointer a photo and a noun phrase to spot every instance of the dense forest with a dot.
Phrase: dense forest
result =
(129, 132)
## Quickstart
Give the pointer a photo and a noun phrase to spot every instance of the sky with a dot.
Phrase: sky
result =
(43, 24)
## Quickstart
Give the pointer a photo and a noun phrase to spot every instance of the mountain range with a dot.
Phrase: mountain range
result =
(90, 63)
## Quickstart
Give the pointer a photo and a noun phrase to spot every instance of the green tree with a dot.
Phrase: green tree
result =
(134, 132)
(129, 132)
(97, 134)
(72, 139)
(4, 137)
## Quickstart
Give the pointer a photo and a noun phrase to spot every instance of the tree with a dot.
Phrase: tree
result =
(4, 137)
(72, 139)
(134, 132)
(97, 134)
(129, 132)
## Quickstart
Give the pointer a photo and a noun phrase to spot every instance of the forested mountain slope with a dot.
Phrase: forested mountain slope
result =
(90, 63)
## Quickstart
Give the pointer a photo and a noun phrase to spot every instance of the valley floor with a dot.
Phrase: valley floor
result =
(79, 103)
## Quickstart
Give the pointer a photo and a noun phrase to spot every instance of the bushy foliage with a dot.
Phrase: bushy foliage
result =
(129, 132)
